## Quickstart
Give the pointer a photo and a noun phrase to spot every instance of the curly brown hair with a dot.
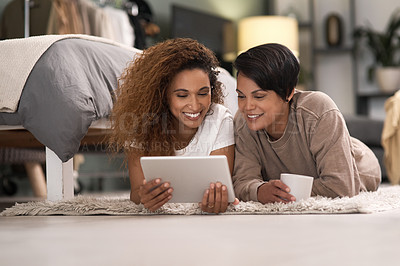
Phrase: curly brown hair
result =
(141, 114)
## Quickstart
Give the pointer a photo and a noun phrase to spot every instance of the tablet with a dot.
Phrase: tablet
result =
(189, 176)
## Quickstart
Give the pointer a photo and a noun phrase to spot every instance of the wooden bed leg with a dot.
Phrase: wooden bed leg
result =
(59, 177)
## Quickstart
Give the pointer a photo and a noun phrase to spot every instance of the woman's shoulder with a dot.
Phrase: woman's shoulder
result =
(316, 102)
(218, 115)
(239, 121)
(220, 111)
(218, 107)
(313, 97)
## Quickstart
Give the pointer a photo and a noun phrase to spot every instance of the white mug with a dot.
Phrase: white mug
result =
(300, 185)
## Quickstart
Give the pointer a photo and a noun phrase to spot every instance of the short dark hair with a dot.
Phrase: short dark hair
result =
(271, 66)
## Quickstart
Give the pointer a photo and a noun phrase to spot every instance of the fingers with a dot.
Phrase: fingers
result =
(204, 201)
(279, 199)
(224, 199)
(151, 184)
(220, 205)
(215, 199)
(279, 184)
(158, 192)
(154, 194)
(208, 201)
(274, 191)
(236, 201)
(211, 198)
(281, 192)
(157, 205)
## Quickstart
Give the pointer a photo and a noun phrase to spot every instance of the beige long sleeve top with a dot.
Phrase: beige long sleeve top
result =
(391, 138)
(316, 142)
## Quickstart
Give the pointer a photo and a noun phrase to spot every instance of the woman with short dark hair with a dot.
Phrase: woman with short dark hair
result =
(282, 130)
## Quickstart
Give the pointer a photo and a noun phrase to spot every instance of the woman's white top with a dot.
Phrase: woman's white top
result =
(214, 133)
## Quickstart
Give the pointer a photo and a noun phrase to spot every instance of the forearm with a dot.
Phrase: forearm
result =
(136, 177)
(337, 179)
(247, 171)
(134, 196)
(334, 157)
(246, 177)
(246, 188)
(331, 189)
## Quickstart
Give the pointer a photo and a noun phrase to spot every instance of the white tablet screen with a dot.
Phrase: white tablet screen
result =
(189, 176)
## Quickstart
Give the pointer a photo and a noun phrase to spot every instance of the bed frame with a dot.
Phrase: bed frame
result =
(59, 175)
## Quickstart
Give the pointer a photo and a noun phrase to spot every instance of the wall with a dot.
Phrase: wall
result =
(334, 72)
(375, 13)
(229, 9)
(3, 4)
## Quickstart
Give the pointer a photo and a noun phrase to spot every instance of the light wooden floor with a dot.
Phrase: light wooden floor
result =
(355, 239)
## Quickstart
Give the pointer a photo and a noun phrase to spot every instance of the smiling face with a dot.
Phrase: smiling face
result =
(189, 98)
(262, 109)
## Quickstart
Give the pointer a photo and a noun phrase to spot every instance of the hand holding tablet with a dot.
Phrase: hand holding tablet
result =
(155, 193)
(189, 177)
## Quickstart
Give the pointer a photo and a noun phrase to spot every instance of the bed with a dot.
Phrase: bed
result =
(57, 91)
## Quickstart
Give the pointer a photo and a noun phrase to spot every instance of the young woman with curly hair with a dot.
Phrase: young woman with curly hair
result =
(169, 103)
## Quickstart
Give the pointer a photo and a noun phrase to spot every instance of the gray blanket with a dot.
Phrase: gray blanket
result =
(70, 86)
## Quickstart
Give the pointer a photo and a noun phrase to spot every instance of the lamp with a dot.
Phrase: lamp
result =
(253, 31)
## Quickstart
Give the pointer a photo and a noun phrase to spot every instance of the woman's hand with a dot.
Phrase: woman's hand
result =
(215, 199)
(155, 194)
(274, 191)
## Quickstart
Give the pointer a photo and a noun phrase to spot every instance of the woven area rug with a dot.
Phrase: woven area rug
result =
(386, 198)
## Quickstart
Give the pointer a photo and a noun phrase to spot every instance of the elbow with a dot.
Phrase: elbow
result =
(135, 197)
(334, 188)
